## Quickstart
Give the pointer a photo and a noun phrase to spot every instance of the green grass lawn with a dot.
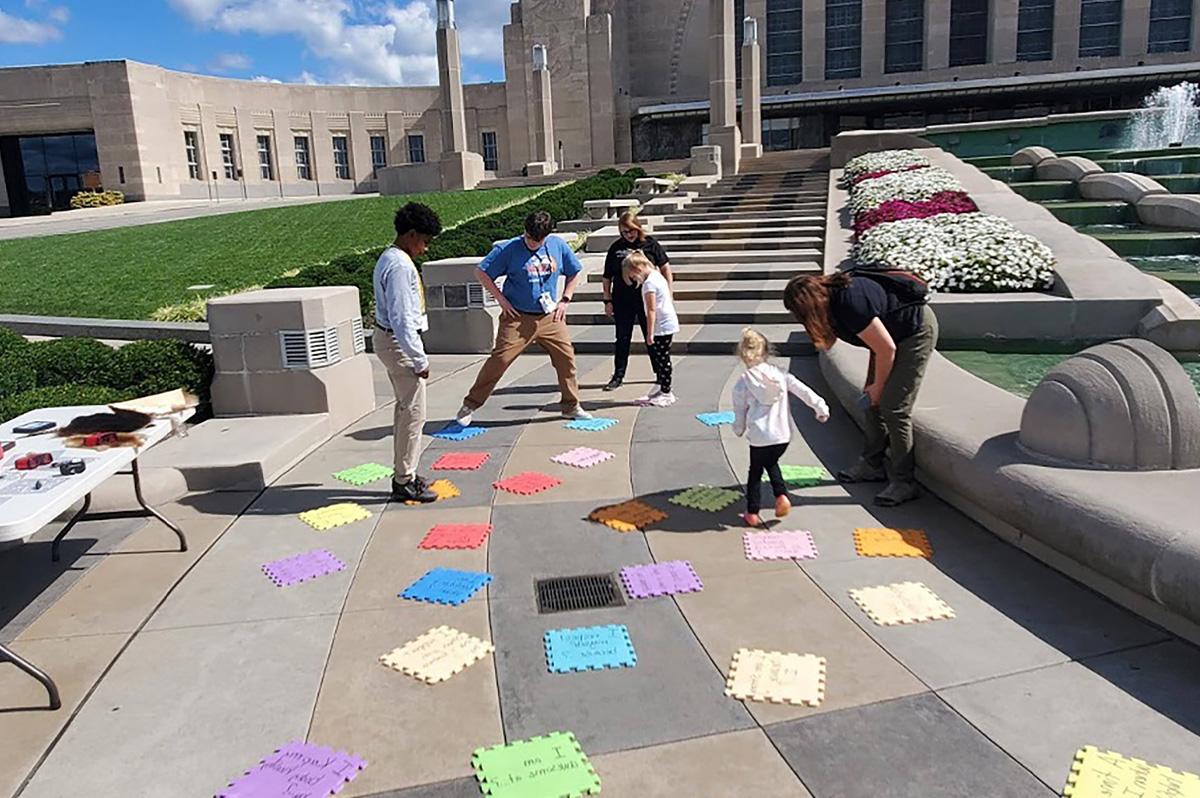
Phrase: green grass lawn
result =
(128, 273)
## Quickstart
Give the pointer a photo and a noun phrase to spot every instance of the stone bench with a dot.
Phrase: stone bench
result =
(649, 186)
(609, 208)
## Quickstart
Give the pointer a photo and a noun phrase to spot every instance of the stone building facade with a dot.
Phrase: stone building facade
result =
(629, 82)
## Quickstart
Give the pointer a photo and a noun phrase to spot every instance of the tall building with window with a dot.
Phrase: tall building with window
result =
(629, 82)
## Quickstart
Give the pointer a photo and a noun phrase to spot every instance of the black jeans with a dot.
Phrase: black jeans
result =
(764, 457)
(627, 311)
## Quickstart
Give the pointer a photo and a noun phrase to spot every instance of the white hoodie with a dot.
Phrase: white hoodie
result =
(760, 405)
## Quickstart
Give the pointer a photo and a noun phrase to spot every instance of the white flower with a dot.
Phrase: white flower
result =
(886, 161)
(913, 186)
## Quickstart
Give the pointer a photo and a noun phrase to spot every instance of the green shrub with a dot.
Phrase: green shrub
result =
(635, 173)
(84, 361)
(149, 367)
(58, 396)
(96, 199)
(11, 341)
(16, 375)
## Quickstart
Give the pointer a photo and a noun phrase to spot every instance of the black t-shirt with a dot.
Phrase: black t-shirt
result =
(618, 252)
(852, 308)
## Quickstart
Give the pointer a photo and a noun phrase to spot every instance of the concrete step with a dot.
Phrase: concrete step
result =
(795, 255)
(697, 290)
(788, 339)
(740, 245)
(702, 216)
(732, 270)
(732, 311)
(762, 196)
(675, 223)
(740, 233)
(756, 209)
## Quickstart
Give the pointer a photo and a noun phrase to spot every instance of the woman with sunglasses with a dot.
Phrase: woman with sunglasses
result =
(623, 302)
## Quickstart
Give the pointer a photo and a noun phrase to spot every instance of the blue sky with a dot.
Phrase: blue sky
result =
(369, 42)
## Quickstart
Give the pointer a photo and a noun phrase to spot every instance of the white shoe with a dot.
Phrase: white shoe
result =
(577, 414)
(663, 400)
(655, 391)
(463, 419)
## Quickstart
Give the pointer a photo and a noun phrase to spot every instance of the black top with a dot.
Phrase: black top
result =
(852, 308)
(617, 253)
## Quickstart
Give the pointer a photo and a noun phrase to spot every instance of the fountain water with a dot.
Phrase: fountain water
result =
(1169, 118)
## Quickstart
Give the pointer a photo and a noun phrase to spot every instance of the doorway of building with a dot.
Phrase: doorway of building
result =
(43, 173)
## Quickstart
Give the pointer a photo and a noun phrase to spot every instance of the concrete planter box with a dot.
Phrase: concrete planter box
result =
(462, 315)
(609, 208)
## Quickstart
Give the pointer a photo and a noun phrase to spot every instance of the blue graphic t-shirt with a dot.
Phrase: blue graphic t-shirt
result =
(528, 273)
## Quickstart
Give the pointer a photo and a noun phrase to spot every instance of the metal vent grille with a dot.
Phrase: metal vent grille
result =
(569, 593)
(356, 332)
(310, 349)
(477, 297)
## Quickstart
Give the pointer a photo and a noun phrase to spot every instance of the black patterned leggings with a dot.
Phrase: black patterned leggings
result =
(660, 360)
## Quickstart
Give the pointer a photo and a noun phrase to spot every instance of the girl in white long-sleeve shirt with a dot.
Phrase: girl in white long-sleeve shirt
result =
(760, 412)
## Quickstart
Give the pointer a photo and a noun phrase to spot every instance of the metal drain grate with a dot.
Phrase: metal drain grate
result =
(588, 592)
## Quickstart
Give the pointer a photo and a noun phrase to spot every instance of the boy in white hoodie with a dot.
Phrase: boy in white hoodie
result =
(761, 413)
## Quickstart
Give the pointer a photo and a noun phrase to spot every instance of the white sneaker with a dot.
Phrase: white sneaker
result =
(577, 414)
(663, 400)
(655, 391)
(464, 416)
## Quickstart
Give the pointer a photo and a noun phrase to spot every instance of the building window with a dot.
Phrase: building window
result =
(780, 134)
(191, 145)
(843, 39)
(266, 169)
(303, 161)
(904, 36)
(968, 32)
(491, 153)
(1099, 28)
(1170, 26)
(227, 157)
(785, 60)
(378, 154)
(416, 148)
(1035, 30)
(341, 158)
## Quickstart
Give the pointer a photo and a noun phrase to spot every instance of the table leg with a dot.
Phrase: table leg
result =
(137, 491)
(35, 672)
(87, 502)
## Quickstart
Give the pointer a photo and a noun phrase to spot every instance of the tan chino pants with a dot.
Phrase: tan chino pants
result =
(513, 337)
(408, 418)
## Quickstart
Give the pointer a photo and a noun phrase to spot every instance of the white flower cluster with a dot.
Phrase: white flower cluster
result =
(960, 252)
(886, 161)
(914, 186)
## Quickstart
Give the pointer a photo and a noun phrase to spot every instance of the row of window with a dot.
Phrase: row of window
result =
(904, 34)
(302, 150)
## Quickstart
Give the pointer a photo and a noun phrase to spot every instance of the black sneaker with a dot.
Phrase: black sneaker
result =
(415, 490)
(614, 384)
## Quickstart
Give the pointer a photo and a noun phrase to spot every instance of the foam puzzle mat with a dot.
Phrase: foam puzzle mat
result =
(553, 765)
(455, 536)
(446, 586)
(323, 519)
(777, 677)
(802, 476)
(591, 424)
(302, 567)
(1101, 774)
(883, 542)
(589, 648)
(706, 497)
(527, 483)
(715, 419)
(444, 488)
(797, 545)
(460, 461)
(583, 457)
(628, 516)
(457, 432)
(298, 769)
(660, 579)
(900, 603)
(438, 654)
(365, 474)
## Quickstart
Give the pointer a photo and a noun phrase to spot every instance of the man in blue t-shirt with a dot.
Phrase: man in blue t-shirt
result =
(531, 310)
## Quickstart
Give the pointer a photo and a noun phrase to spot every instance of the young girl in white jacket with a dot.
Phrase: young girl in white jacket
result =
(761, 413)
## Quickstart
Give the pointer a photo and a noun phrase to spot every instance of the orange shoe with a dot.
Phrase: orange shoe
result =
(783, 506)
(752, 519)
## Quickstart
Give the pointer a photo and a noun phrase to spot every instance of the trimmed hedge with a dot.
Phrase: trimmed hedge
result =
(11, 341)
(150, 367)
(470, 239)
(59, 396)
(66, 361)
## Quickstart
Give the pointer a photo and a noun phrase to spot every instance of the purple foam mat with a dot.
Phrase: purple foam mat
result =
(297, 770)
(660, 579)
(302, 567)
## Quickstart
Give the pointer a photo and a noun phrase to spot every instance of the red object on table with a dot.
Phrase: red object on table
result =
(32, 461)
(100, 439)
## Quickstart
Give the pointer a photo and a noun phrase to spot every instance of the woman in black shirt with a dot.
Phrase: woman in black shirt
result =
(624, 302)
(901, 335)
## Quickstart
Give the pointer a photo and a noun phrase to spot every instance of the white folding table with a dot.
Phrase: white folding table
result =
(31, 499)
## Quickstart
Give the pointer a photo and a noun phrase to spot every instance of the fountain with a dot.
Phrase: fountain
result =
(1169, 118)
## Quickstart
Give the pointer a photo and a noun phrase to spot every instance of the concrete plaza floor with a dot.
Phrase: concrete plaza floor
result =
(181, 671)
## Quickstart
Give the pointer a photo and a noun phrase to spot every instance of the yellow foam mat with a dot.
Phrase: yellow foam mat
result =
(438, 654)
(334, 515)
(903, 602)
(777, 677)
(444, 488)
(882, 542)
(1100, 774)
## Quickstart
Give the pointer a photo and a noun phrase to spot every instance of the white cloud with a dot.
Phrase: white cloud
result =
(361, 42)
(230, 62)
(265, 79)
(308, 79)
(60, 14)
(15, 30)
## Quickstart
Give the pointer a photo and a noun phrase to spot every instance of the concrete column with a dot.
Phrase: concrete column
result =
(751, 90)
(516, 94)
(454, 121)
(937, 34)
(814, 40)
(247, 154)
(1135, 27)
(322, 155)
(542, 116)
(210, 143)
(873, 38)
(1066, 32)
(1002, 36)
(722, 85)
(601, 89)
(397, 129)
(285, 153)
(360, 149)
(758, 10)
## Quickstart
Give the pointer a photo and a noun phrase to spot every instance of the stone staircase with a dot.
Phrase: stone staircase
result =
(732, 251)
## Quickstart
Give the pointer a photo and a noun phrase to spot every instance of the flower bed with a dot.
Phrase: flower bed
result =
(881, 163)
(895, 210)
(960, 252)
(914, 186)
